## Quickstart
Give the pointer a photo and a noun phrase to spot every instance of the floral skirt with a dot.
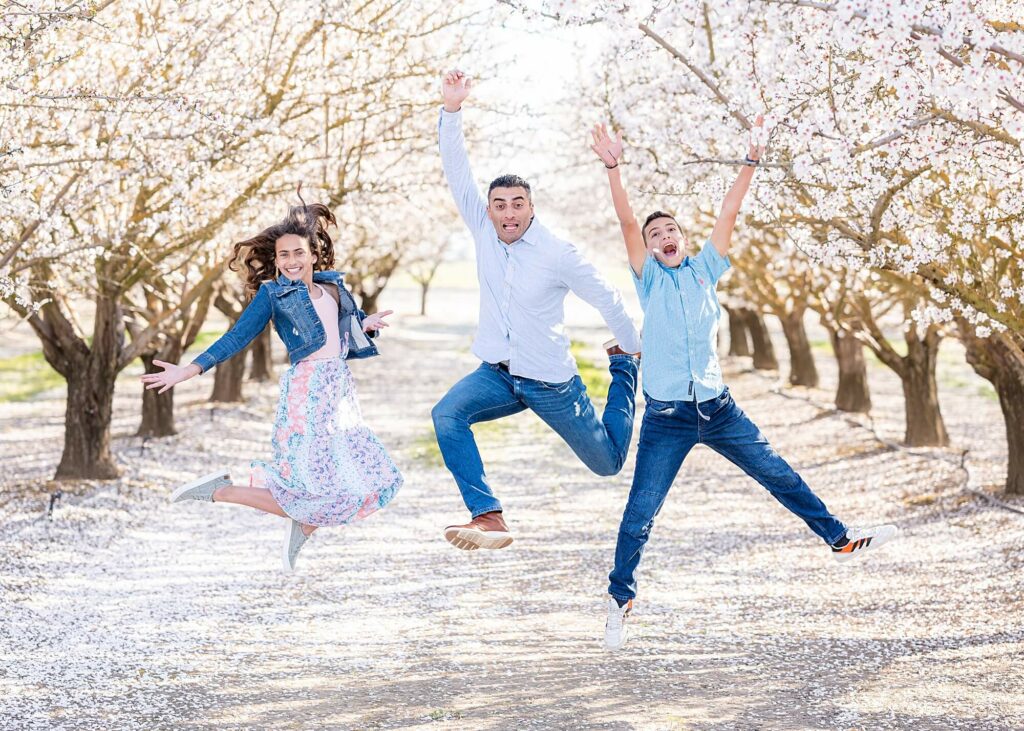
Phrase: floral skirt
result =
(328, 468)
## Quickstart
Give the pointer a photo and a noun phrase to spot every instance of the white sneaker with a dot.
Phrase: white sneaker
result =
(294, 540)
(615, 624)
(201, 489)
(862, 540)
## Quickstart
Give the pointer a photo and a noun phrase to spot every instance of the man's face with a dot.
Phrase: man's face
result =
(665, 241)
(510, 210)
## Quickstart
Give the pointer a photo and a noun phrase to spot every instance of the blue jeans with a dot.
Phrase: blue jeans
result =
(669, 431)
(491, 392)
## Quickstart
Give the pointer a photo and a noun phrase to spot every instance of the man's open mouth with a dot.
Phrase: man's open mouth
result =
(509, 226)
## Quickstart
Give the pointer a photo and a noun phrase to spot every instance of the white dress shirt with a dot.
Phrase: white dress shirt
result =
(523, 284)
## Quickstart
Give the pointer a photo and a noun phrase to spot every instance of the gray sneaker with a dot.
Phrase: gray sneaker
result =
(201, 489)
(294, 540)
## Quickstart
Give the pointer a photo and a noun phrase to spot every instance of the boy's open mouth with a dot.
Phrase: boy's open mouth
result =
(669, 250)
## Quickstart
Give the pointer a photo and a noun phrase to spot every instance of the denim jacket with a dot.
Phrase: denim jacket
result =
(287, 304)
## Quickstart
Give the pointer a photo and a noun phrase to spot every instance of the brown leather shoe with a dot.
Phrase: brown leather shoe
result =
(484, 531)
(612, 348)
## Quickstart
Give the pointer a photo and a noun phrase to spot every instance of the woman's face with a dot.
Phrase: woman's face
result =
(293, 258)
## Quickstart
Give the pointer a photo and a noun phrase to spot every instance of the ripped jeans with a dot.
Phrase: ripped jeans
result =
(491, 392)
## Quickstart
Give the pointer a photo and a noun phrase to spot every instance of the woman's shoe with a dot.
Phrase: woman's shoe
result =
(294, 540)
(202, 489)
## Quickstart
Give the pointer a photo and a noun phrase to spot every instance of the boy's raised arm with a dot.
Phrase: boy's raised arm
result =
(610, 151)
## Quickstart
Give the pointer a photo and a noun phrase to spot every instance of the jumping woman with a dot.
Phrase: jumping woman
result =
(327, 467)
(687, 402)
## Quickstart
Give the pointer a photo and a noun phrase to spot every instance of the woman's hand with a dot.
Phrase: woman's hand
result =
(376, 321)
(172, 375)
(605, 147)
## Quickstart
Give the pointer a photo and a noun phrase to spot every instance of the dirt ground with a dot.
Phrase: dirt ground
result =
(121, 611)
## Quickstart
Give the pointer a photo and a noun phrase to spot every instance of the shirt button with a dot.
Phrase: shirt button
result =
(295, 331)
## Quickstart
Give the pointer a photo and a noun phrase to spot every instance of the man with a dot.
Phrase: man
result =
(525, 273)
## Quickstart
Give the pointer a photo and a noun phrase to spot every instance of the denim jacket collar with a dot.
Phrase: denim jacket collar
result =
(324, 276)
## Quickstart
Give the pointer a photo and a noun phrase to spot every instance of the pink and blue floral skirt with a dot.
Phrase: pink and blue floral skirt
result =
(328, 468)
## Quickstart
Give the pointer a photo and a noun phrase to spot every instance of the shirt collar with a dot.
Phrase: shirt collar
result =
(682, 265)
(534, 233)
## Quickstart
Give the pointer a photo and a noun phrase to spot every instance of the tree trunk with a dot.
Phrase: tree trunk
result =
(262, 368)
(999, 359)
(739, 343)
(852, 393)
(90, 403)
(764, 352)
(925, 427)
(368, 302)
(157, 408)
(227, 380)
(424, 286)
(802, 371)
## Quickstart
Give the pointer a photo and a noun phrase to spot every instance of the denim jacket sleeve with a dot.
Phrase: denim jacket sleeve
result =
(254, 319)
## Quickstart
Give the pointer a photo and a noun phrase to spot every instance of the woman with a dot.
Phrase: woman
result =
(687, 402)
(327, 467)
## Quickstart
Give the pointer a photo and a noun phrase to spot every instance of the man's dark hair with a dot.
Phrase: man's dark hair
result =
(510, 181)
(656, 214)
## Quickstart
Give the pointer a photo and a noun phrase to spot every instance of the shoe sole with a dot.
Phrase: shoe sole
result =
(613, 648)
(876, 542)
(212, 477)
(285, 563)
(471, 540)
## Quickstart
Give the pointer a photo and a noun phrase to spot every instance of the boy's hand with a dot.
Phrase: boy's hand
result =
(605, 147)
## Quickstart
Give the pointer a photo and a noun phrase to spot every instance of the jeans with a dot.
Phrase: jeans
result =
(669, 431)
(491, 392)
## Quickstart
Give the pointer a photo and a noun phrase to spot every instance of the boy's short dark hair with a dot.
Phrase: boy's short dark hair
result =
(510, 181)
(653, 216)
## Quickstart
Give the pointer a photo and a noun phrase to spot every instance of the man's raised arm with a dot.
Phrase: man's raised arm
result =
(454, 159)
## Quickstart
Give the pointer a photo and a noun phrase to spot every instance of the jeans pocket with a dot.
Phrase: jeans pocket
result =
(559, 388)
(658, 407)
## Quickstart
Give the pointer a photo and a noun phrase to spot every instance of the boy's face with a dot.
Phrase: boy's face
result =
(665, 242)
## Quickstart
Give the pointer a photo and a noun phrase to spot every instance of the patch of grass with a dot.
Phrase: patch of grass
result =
(22, 377)
(205, 339)
(821, 346)
(595, 378)
(445, 714)
(984, 389)
(426, 451)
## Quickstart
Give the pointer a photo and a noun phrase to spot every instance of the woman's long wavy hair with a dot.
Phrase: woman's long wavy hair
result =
(257, 255)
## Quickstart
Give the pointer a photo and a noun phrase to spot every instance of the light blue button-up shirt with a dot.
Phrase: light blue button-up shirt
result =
(681, 314)
(523, 284)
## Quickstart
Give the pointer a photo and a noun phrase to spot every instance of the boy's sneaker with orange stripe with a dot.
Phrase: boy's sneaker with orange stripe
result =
(858, 541)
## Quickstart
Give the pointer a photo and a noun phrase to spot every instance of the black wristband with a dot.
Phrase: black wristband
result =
(749, 162)
(611, 167)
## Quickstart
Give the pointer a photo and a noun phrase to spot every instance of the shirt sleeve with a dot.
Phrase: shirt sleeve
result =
(644, 282)
(457, 171)
(713, 263)
(582, 277)
(252, 322)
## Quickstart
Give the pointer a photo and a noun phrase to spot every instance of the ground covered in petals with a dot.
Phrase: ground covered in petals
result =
(121, 612)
